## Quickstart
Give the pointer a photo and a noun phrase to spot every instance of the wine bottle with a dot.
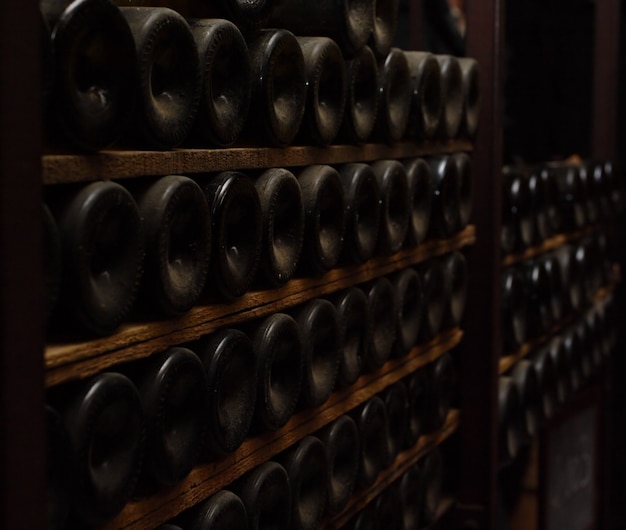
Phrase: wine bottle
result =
(556, 350)
(456, 284)
(538, 297)
(394, 92)
(446, 209)
(385, 24)
(587, 194)
(517, 202)
(526, 379)
(572, 274)
(471, 96)
(283, 225)
(373, 424)
(537, 195)
(326, 89)
(407, 286)
(421, 188)
(105, 423)
(389, 507)
(230, 364)
(278, 348)
(553, 212)
(395, 207)
(51, 260)
(547, 382)
(341, 445)
(94, 66)
(355, 329)
(278, 94)
(174, 394)
(440, 379)
(452, 95)
(435, 301)
(572, 347)
(361, 97)
(237, 231)
(221, 511)
(570, 197)
(324, 214)
(362, 214)
(248, 13)
(225, 71)
(512, 436)
(584, 337)
(514, 309)
(177, 227)
(347, 23)
(464, 170)
(411, 494)
(168, 83)
(557, 289)
(426, 99)
(396, 399)
(383, 316)
(102, 251)
(60, 472)
(307, 469)
(366, 519)
(417, 386)
(319, 328)
(266, 494)
(432, 472)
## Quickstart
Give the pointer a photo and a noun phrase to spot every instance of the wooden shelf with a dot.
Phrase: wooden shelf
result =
(402, 463)
(136, 340)
(208, 478)
(546, 246)
(106, 165)
(508, 361)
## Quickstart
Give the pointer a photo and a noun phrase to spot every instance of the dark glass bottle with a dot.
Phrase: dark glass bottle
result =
(557, 290)
(446, 209)
(105, 423)
(572, 274)
(384, 29)
(395, 207)
(426, 100)
(237, 231)
(383, 316)
(432, 472)
(456, 284)
(571, 200)
(553, 212)
(538, 298)
(421, 189)
(526, 379)
(407, 286)
(435, 302)
(319, 328)
(177, 227)
(394, 92)
(326, 89)
(341, 445)
(283, 225)
(396, 399)
(417, 386)
(102, 251)
(51, 260)
(266, 494)
(512, 436)
(347, 23)
(324, 214)
(440, 377)
(60, 473)
(168, 81)
(248, 13)
(174, 394)
(307, 468)
(225, 71)
(464, 170)
(411, 493)
(361, 97)
(355, 329)
(514, 309)
(221, 511)
(556, 350)
(389, 507)
(471, 96)
(517, 199)
(366, 519)
(278, 349)
(278, 86)
(452, 95)
(362, 215)
(231, 367)
(94, 65)
(547, 382)
(538, 198)
(573, 352)
(373, 424)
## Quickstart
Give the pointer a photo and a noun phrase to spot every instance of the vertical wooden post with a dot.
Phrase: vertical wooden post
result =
(22, 438)
(605, 79)
(480, 348)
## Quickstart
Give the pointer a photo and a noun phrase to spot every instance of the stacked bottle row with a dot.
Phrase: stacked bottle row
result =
(544, 201)
(133, 432)
(542, 292)
(148, 77)
(535, 388)
(169, 241)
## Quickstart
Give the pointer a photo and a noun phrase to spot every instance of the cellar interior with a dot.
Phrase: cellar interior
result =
(275, 264)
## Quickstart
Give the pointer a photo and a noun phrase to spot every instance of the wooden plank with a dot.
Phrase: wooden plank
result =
(120, 164)
(403, 462)
(137, 340)
(208, 478)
